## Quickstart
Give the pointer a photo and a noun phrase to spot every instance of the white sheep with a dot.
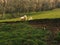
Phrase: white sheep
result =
(23, 18)
(30, 18)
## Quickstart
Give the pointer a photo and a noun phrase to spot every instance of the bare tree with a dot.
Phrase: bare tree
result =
(28, 5)
(4, 2)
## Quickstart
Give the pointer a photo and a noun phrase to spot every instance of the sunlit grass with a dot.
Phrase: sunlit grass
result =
(51, 14)
(47, 14)
(11, 20)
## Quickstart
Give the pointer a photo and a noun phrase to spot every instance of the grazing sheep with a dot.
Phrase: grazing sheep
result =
(30, 18)
(23, 18)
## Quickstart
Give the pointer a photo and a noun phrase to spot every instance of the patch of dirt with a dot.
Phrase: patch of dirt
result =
(47, 24)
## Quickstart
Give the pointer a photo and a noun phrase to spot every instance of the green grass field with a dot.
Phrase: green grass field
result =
(51, 14)
(21, 33)
(24, 34)
(46, 14)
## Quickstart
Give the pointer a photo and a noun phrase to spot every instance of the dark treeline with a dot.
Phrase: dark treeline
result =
(28, 5)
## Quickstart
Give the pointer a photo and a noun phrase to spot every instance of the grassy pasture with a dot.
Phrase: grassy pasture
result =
(51, 14)
(46, 14)
(21, 33)
(24, 34)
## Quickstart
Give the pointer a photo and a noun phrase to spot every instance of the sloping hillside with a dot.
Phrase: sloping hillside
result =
(51, 14)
